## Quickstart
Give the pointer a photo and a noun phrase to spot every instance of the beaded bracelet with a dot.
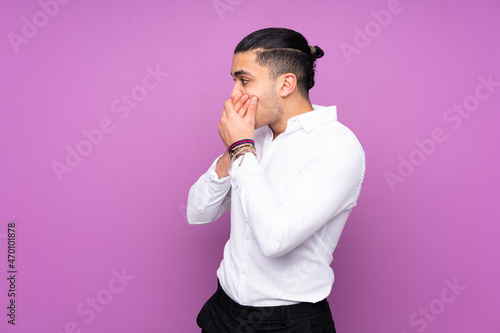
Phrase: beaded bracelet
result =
(242, 153)
(239, 146)
(240, 142)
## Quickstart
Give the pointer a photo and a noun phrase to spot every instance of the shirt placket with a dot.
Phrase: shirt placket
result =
(244, 277)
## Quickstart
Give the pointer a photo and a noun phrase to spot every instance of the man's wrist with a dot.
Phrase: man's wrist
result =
(222, 166)
(239, 146)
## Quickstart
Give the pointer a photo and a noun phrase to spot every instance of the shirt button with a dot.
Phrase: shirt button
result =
(243, 271)
(247, 237)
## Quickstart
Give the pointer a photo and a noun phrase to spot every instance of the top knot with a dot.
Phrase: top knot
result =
(316, 52)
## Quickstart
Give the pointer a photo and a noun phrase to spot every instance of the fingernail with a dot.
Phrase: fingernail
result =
(254, 100)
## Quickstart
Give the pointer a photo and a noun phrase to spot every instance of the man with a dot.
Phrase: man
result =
(291, 175)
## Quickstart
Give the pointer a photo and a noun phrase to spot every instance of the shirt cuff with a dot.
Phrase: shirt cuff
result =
(242, 168)
(215, 181)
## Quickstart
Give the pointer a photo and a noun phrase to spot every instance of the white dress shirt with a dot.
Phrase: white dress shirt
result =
(288, 208)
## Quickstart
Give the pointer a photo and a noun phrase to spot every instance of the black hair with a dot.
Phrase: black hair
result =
(284, 51)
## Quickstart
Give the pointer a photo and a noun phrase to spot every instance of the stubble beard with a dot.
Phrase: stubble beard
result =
(270, 110)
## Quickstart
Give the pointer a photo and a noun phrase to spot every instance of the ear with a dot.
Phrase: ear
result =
(288, 84)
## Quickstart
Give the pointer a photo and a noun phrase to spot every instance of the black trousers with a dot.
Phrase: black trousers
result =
(221, 314)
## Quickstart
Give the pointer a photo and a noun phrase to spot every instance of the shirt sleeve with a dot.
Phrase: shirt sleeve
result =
(209, 197)
(329, 184)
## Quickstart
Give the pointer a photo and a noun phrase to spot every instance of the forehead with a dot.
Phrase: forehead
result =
(246, 62)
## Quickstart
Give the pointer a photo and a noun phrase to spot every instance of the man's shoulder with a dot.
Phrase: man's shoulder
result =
(332, 132)
(328, 124)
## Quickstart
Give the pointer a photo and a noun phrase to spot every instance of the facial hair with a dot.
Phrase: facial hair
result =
(268, 109)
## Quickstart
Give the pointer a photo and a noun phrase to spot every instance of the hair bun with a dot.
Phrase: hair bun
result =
(316, 52)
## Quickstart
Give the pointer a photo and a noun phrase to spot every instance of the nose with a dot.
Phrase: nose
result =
(236, 90)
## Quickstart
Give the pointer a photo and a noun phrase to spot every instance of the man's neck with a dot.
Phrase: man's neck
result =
(291, 109)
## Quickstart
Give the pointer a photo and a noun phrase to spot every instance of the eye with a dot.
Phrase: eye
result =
(243, 81)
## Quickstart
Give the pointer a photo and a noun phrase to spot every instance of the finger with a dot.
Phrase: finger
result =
(243, 111)
(236, 97)
(240, 103)
(224, 108)
(228, 107)
(252, 108)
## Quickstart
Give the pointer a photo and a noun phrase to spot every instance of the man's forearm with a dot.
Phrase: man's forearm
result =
(222, 167)
(209, 197)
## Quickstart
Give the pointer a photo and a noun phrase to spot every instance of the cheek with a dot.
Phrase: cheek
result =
(262, 108)
(261, 96)
(250, 91)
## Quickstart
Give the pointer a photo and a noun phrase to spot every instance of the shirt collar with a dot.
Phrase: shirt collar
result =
(310, 120)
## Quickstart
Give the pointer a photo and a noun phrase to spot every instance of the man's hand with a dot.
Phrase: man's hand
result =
(238, 119)
(242, 113)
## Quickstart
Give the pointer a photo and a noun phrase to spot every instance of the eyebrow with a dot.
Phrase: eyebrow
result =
(240, 72)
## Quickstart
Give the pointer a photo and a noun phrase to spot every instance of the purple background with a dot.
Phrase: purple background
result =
(121, 209)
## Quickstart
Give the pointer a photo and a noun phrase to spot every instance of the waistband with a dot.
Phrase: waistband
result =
(272, 313)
